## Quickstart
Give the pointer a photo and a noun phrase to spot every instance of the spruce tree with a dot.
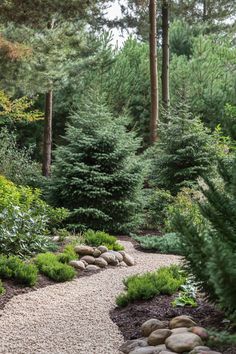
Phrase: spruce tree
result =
(184, 152)
(96, 173)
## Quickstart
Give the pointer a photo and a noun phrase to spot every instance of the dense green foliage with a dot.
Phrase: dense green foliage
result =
(49, 265)
(98, 238)
(168, 244)
(156, 204)
(210, 246)
(96, 173)
(14, 268)
(185, 151)
(25, 220)
(166, 280)
(68, 254)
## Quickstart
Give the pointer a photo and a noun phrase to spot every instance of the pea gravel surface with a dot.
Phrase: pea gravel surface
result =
(73, 317)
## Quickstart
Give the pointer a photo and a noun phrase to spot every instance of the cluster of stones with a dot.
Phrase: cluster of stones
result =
(180, 335)
(95, 258)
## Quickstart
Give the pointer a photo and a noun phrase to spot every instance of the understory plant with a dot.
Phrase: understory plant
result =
(98, 238)
(187, 295)
(68, 254)
(25, 220)
(14, 268)
(49, 265)
(165, 281)
(168, 244)
(97, 174)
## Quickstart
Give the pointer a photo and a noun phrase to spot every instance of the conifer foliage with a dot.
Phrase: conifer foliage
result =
(210, 247)
(96, 173)
(185, 151)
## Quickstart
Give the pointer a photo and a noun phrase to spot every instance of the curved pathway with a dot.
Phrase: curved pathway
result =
(73, 317)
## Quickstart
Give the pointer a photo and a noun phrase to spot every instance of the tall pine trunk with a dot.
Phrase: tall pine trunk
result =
(153, 70)
(165, 55)
(47, 136)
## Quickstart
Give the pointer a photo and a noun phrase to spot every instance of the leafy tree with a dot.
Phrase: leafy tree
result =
(96, 173)
(184, 152)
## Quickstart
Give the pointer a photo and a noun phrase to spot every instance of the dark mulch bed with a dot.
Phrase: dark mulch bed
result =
(130, 318)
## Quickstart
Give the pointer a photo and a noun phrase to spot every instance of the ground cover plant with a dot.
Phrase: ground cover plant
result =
(98, 238)
(14, 268)
(168, 243)
(166, 280)
(49, 265)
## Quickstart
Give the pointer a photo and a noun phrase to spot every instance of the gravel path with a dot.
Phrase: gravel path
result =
(71, 317)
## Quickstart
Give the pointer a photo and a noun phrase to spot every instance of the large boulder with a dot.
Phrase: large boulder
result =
(88, 259)
(200, 349)
(182, 321)
(84, 250)
(183, 342)
(152, 325)
(130, 345)
(77, 265)
(101, 262)
(118, 256)
(159, 336)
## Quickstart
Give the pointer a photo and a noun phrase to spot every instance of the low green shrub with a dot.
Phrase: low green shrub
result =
(14, 268)
(49, 265)
(2, 289)
(98, 238)
(167, 244)
(156, 206)
(68, 254)
(166, 281)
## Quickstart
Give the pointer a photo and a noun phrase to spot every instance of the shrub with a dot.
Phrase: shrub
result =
(168, 244)
(16, 164)
(184, 152)
(14, 268)
(97, 174)
(49, 265)
(98, 238)
(156, 207)
(68, 254)
(25, 220)
(166, 280)
(210, 246)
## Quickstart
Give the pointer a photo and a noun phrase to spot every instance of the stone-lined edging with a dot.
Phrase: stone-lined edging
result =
(180, 335)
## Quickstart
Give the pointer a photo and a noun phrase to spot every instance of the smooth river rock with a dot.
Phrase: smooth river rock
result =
(159, 336)
(88, 259)
(183, 342)
(182, 321)
(77, 264)
(152, 325)
(84, 250)
(130, 345)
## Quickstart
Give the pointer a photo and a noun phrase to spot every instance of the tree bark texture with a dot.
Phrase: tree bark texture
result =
(47, 136)
(165, 55)
(153, 70)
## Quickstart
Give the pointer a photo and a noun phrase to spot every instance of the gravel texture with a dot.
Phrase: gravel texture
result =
(72, 317)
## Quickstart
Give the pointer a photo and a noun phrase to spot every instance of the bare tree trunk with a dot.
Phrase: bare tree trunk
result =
(47, 136)
(204, 15)
(165, 55)
(153, 70)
